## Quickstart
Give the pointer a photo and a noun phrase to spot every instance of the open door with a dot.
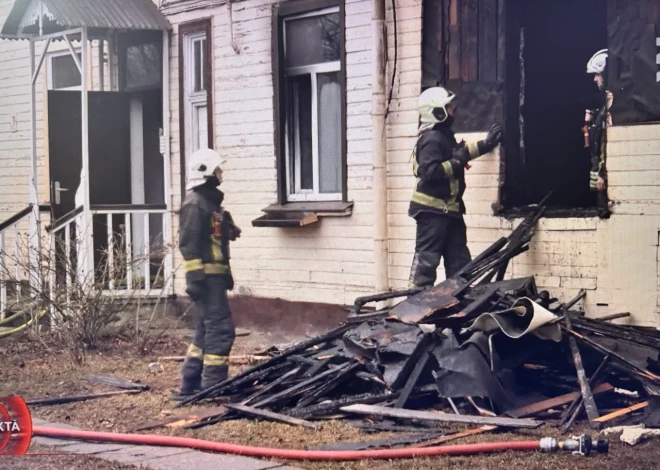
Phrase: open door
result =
(65, 150)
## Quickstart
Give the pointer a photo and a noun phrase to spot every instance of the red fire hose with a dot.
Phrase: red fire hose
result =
(285, 454)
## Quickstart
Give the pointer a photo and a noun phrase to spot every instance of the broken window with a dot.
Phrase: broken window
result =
(522, 63)
(311, 97)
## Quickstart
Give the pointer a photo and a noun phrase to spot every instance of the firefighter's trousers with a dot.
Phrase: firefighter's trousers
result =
(207, 358)
(438, 236)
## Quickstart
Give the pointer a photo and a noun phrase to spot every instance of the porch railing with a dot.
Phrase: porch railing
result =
(128, 261)
(21, 259)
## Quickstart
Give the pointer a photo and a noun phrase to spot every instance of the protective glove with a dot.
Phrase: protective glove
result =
(233, 232)
(494, 137)
(196, 289)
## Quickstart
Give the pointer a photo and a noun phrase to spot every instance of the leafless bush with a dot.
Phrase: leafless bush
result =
(80, 309)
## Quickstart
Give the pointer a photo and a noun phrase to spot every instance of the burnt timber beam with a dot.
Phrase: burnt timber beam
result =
(442, 417)
(585, 389)
(269, 415)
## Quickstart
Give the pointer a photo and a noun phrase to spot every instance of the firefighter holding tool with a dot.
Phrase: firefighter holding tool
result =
(205, 232)
(437, 203)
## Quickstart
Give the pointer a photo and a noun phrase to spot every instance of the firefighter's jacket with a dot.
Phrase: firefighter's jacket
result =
(597, 142)
(440, 179)
(205, 230)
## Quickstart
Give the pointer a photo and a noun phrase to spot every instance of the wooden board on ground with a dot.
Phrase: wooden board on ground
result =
(269, 415)
(183, 420)
(534, 408)
(622, 412)
(116, 382)
(78, 398)
(443, 417)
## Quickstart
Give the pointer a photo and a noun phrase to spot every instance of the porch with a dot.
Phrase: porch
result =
(105, 224)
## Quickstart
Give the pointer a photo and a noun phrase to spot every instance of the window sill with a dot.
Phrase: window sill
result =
(300, 214)
(550, 212)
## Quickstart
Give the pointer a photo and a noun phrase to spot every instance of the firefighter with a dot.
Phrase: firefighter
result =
(437, 205)
(205, 232)
(596, 121)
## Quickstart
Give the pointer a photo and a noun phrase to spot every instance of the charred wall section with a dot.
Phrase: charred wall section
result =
(463, 49)
(633, 28)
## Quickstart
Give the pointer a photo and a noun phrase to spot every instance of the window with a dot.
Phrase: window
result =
(195, 87)
(141, 61)
(311, 106)
(63, 73)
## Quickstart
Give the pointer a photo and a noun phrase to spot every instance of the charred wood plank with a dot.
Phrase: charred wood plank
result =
(622, 412)
(269, 415)
(387, 427)
(414, 378)
(290, 391)
(585, 389)
(614, 316)
(442, 417)
(326, 388)
(327, 408)
(116, 382)
(271, 386)
(627, 365)
(187, 418)
(77, 398)
(538, 407)
(571, 413)
(269, 363)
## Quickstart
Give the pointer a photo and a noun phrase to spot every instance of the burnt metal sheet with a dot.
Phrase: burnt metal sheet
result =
(122, 15)
(381, 443)
(421, 306)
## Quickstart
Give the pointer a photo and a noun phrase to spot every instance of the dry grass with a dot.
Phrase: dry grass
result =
(29, 369)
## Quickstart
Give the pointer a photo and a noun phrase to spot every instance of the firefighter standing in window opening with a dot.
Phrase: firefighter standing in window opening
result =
(437, 203)
(596, 123)
(205, 232)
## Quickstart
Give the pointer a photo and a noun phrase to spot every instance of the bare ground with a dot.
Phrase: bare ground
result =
(33, 370)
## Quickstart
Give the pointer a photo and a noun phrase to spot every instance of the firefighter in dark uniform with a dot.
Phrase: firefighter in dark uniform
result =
(437, 205)
(596, 123)
(205, 232)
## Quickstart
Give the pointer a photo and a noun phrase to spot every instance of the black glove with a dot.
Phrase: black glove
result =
(233, 232)
(196, 289)
(494, 137)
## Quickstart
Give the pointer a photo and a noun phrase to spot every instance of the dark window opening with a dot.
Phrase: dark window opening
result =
(547, 93)
(141, 61)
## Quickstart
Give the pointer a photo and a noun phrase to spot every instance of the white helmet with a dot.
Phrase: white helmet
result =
(598, 62)
(203, 163)
(432, 105)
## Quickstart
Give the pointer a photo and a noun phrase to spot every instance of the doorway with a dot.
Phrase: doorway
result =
(548, 91)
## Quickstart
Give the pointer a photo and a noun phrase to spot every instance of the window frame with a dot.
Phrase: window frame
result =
(50, 69)
(195, 30)
(139, 38)
(281, 13)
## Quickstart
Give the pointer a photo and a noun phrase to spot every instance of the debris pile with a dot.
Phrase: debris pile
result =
(481, 349)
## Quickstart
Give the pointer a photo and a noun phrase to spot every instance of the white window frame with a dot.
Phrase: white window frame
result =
(293, 181)
(49, 68)
(193, 99)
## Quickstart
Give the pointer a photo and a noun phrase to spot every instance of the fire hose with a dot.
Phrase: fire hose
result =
(582, 445)
(6, 333)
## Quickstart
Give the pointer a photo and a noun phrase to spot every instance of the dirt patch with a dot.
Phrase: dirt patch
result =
(34, 371)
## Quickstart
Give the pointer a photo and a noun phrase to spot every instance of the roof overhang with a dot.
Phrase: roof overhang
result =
(34, 18)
